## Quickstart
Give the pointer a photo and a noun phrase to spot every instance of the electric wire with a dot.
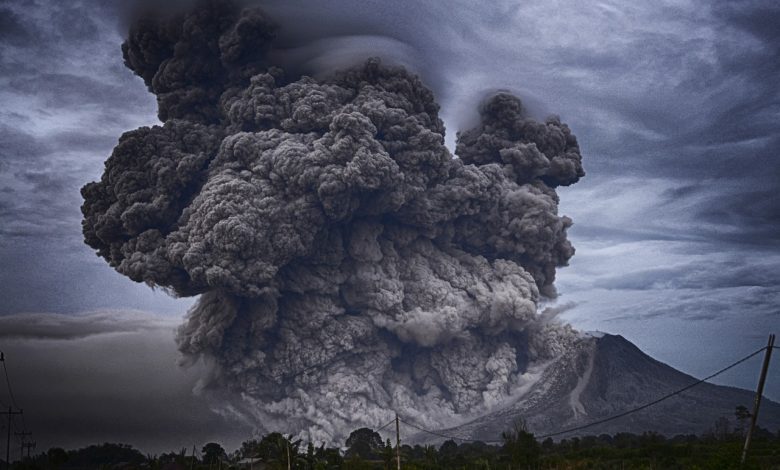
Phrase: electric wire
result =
(2, 359)
(13, 398)
(386, 425)
(339, 356)
(446, 436)
(601, 421)
(8, 382)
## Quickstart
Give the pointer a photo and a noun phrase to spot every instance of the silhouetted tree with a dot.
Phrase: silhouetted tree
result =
(521, 445)
(249, 449)
(722, 428)
(173, 459)
(56, 457)
(548, 444)
(742, 415)
(388, 455)
(448, 453)
(212, 453)
(327, 458)
(364, 443)
(105, 454)
(275, 449)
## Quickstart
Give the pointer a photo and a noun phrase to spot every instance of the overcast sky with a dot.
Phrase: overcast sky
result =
(675, 104)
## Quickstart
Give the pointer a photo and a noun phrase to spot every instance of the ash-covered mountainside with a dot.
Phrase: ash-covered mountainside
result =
(603, 375)
(348, 266)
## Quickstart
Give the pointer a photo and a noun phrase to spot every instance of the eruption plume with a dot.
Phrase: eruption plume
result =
(348, 265)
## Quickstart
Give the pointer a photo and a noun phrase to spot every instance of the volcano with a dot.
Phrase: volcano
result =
(602, 375)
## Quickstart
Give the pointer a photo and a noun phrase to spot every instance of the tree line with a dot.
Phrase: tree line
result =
(365, 450)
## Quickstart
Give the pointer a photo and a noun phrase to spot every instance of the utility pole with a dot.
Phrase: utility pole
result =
(192, 465)
(287, 441)
(397, 442)
(10, 413)
(760, 391)
(28, 445)
(21, 449)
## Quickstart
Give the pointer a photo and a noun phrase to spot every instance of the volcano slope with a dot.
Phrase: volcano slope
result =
(602, 375)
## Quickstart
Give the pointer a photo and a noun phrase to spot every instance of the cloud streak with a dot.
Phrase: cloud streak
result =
(78, 326)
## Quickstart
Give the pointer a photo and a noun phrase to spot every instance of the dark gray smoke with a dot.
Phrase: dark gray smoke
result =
(348, 265)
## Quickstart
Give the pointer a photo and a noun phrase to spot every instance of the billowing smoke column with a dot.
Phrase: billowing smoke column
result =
(348, 265)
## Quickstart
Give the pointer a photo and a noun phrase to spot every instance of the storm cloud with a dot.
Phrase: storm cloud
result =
(339, 249)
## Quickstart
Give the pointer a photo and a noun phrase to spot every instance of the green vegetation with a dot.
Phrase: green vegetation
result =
(364, 449)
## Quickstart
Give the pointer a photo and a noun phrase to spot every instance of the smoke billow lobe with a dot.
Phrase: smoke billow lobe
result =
(347, 264)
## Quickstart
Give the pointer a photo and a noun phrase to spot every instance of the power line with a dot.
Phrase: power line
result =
(446, 436)
(337, 357)
(10, 414)
(8, 381)
(386, 425)
(24, 424)
(11, 392)
(610, 418)
(2, 359)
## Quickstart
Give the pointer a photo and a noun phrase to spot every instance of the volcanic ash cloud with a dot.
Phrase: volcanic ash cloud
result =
(348, 265)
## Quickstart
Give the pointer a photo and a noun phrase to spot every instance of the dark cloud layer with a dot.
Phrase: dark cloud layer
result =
(12, 28)
(82, 325)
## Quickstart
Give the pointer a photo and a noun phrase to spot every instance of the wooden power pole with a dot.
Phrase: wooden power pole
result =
(759, 391)
(397, 442)
(10, 413)
(287, 441)
(23, 434)
(29, 445)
